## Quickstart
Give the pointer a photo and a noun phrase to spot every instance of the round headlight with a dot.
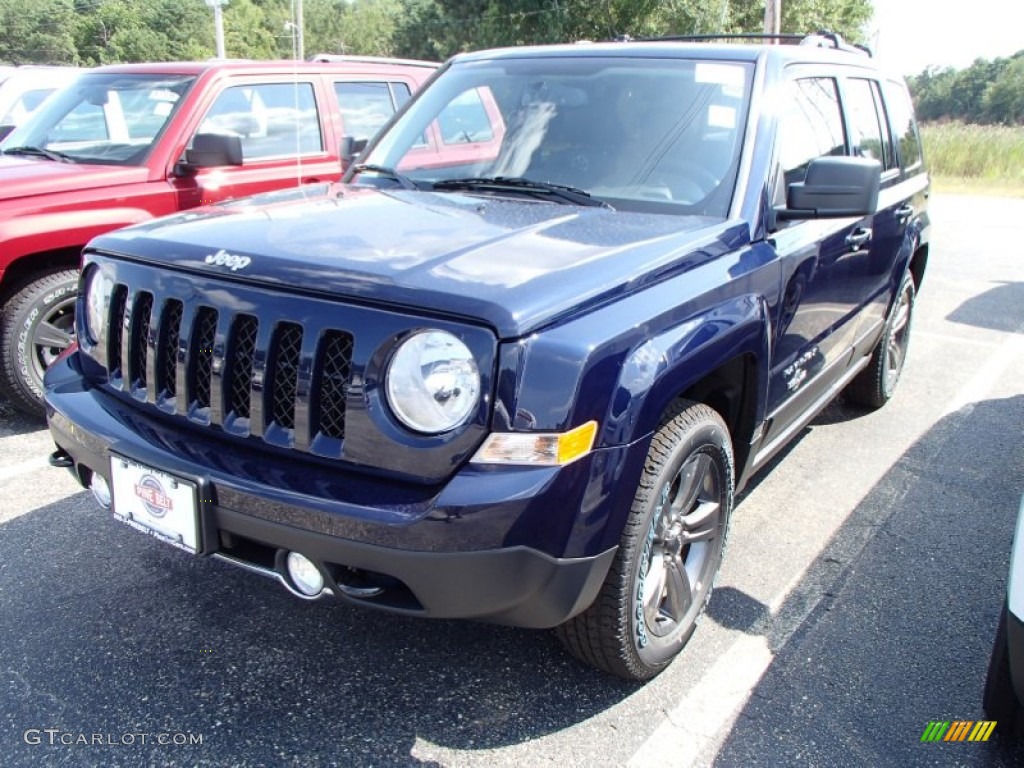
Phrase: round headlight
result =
(97, 304)
(433, 384)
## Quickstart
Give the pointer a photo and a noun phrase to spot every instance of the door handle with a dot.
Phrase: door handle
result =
(858, 237)
(311, 180)
(904, 212)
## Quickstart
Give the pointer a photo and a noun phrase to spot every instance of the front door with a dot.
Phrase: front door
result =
(282, 140)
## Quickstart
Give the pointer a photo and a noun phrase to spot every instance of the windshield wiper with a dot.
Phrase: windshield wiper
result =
(49, 154)
(519, 184)
(390, 173)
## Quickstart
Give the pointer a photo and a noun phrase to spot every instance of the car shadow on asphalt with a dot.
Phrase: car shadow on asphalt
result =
(996, 309)
(14, 422)
(106, 631)
(892, 625)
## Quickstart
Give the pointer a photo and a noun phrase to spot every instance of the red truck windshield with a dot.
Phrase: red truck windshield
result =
(102, 118)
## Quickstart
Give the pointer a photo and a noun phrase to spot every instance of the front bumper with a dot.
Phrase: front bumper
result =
(521, 546)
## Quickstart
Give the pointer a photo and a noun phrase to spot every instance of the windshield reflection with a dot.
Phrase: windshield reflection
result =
(101, 118)
(654, 135)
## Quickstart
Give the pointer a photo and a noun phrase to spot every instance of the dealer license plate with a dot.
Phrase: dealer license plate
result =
(154, 502)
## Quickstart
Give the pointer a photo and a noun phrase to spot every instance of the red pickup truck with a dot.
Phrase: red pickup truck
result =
(127, 143)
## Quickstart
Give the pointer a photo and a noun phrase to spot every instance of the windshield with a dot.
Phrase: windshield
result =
(101, 118)
(654, 135)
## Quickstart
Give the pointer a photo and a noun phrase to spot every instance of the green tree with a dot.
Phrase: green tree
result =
(1003, 100)
(357, 27)
(438, 28)
(37, 32)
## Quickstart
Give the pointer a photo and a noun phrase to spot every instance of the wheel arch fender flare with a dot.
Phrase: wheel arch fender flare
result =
(27, 237)
(672, 363)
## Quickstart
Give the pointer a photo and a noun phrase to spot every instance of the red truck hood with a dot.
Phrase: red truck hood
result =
(28, 176)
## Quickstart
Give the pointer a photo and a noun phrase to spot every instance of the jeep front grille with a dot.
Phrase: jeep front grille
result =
(203, 336)
(216, 367)
(284, 377)
(243, 339)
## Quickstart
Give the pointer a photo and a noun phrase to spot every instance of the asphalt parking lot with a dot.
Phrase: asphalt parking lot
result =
(858, 602)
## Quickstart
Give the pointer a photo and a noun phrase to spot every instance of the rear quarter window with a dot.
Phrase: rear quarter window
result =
(904, 127)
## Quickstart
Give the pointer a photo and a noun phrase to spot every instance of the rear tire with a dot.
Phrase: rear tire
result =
(37, 323)
(669, 554)
(876, 384)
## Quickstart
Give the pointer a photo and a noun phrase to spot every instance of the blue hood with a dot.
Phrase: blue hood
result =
(513, 264)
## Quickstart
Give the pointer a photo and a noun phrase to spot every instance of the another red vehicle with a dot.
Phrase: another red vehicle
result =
(127, 143)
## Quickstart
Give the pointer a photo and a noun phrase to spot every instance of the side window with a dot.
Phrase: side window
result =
(862, 118)
(465, 120)
(810, 126)
(400, 93)
(272, 119)
(365, 107)
(25, 105)
(904, 127)
(890, 155)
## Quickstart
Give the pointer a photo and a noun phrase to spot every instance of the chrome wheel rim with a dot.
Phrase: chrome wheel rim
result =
(899, 334)
(687, 534)
(52, 335)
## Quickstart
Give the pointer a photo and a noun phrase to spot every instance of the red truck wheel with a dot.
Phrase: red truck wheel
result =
(37, 324)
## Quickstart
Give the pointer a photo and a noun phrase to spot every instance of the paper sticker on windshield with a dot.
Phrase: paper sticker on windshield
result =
(730, 76)
(163, 95)
(721, 117)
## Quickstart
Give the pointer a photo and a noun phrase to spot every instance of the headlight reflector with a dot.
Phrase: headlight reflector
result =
(97, 304)
(433, 383)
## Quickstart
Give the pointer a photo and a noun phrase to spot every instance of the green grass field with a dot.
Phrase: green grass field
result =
(981, 159)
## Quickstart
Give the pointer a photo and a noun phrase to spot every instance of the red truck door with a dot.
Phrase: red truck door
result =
(280, 124)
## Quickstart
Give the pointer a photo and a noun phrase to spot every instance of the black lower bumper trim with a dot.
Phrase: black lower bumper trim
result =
(518, 586)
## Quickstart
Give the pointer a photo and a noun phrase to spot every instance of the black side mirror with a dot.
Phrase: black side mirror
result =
(5, 131)
(211, 150)
(834, 188)
(350, 150)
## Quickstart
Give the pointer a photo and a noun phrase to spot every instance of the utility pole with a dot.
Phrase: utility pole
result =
(772, 17)
(218, 25)
(300, 42)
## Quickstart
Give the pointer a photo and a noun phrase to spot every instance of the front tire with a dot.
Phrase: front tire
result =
(36, 325)
(669, 554)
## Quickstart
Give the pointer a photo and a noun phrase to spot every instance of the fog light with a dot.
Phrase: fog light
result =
(100, 490)
(304, 575)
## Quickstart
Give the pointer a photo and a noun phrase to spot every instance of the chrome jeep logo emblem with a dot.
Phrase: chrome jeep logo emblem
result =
(232, 261)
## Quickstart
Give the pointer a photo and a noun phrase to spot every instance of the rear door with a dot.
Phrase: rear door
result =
(874, 281)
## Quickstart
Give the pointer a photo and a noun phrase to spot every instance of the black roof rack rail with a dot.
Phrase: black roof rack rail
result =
(724, 36)
(820, 39)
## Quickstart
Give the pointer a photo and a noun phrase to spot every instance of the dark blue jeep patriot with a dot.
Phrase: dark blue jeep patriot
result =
(516, 374)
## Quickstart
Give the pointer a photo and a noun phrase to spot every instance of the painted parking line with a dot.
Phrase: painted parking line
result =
(23, 468)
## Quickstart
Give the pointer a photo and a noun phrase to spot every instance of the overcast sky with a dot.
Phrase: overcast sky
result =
(913, 34)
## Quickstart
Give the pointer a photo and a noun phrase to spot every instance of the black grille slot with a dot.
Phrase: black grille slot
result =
(141, 319)
(118, 304)
(203, 334)
(284, 380)
(241, 355)
(167, 350)
(334, 367)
